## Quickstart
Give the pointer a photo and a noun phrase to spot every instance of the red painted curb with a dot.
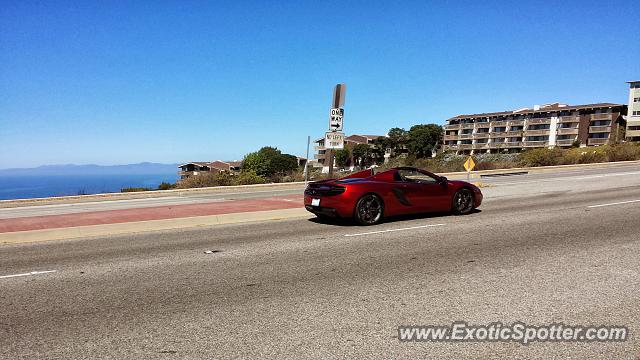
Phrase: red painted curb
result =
(150, 213)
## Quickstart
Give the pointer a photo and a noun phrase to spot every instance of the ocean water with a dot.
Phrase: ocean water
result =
(38, 186)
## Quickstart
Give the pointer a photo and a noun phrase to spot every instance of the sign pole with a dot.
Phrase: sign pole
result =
(335, 118)
(331, 157)
(306, 163)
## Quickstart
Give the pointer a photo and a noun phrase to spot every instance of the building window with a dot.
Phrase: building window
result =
(636, 113)
(636, 99)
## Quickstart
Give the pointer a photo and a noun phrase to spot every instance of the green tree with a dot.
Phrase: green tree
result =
(422, 139)
(269, 161)
(343, 157)
(361, 154)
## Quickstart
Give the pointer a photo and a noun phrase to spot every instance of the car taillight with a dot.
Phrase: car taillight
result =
(324, 190)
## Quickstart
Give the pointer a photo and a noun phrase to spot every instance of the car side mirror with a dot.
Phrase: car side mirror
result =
(442, 180)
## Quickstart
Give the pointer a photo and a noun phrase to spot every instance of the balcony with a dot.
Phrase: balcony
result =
(515, 133)
(541, 132)
(597, 141)
(567, 131)
(633, 133)
(482, 125)
(319, 156)
(466, 126)
(536, 143)
(565, 142)
(318, 148)
(452, 127)
(569, 119)
(449, 147)
(500, 134)
(465, 146)
(599, 129)
(482, 135)
(601, 116)
(499, 123)
(450, 137)
(184, 174)
(539, 121)
(465, 136)
(513, 144)
(480, 146)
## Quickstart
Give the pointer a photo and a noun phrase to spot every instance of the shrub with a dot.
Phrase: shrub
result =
(166, 186)
(134, 189)
(542, 157)
(623, 152)
(206, 180)
(248, 177)
(584, 155)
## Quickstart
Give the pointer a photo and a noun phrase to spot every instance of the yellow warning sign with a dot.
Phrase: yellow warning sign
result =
(469, 164)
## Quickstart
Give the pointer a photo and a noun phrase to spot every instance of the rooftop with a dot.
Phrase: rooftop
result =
(543, 109)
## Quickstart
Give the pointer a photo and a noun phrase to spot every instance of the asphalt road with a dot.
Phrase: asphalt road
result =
(543, 249)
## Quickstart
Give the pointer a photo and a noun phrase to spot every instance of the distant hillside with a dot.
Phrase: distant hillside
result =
(91, 169)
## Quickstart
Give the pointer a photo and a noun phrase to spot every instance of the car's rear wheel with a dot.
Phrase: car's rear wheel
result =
(369, 210)
(463, 202)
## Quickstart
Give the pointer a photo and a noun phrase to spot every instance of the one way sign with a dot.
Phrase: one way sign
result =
(336, 115)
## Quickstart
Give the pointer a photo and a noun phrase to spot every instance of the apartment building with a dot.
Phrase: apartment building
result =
(547, 125)
(321, 158)
(633, 112)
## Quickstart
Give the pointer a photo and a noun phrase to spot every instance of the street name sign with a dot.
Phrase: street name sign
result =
(334, 140)
(336, 116)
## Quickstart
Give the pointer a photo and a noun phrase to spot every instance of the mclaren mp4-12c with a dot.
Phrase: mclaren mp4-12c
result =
(368, 197)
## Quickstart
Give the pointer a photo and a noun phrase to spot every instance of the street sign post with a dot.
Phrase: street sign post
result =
(469, 165)
(334, 140)
(336, 115)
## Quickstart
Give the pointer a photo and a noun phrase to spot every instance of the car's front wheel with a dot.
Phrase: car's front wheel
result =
(369, 210)
(463, 202)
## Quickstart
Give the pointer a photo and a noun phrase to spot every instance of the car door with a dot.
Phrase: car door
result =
(424, 191)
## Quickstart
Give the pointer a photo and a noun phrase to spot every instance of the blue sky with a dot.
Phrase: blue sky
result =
(162, 81)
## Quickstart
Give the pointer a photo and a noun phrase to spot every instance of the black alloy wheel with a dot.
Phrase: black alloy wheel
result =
(369, 210)
(463, 202)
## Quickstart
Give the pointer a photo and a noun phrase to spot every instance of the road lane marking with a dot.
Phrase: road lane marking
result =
(616, 203)
(27, 274)
(392, 230)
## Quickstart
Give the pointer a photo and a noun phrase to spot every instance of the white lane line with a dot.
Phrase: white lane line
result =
(616, 203)
(28, 274)
(392, 230)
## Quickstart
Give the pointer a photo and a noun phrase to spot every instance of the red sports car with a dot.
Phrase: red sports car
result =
(368, 197)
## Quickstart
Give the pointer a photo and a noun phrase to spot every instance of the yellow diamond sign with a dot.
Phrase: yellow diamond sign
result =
(469, 164)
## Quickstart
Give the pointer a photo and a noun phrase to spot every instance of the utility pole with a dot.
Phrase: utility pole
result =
(306, 163)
